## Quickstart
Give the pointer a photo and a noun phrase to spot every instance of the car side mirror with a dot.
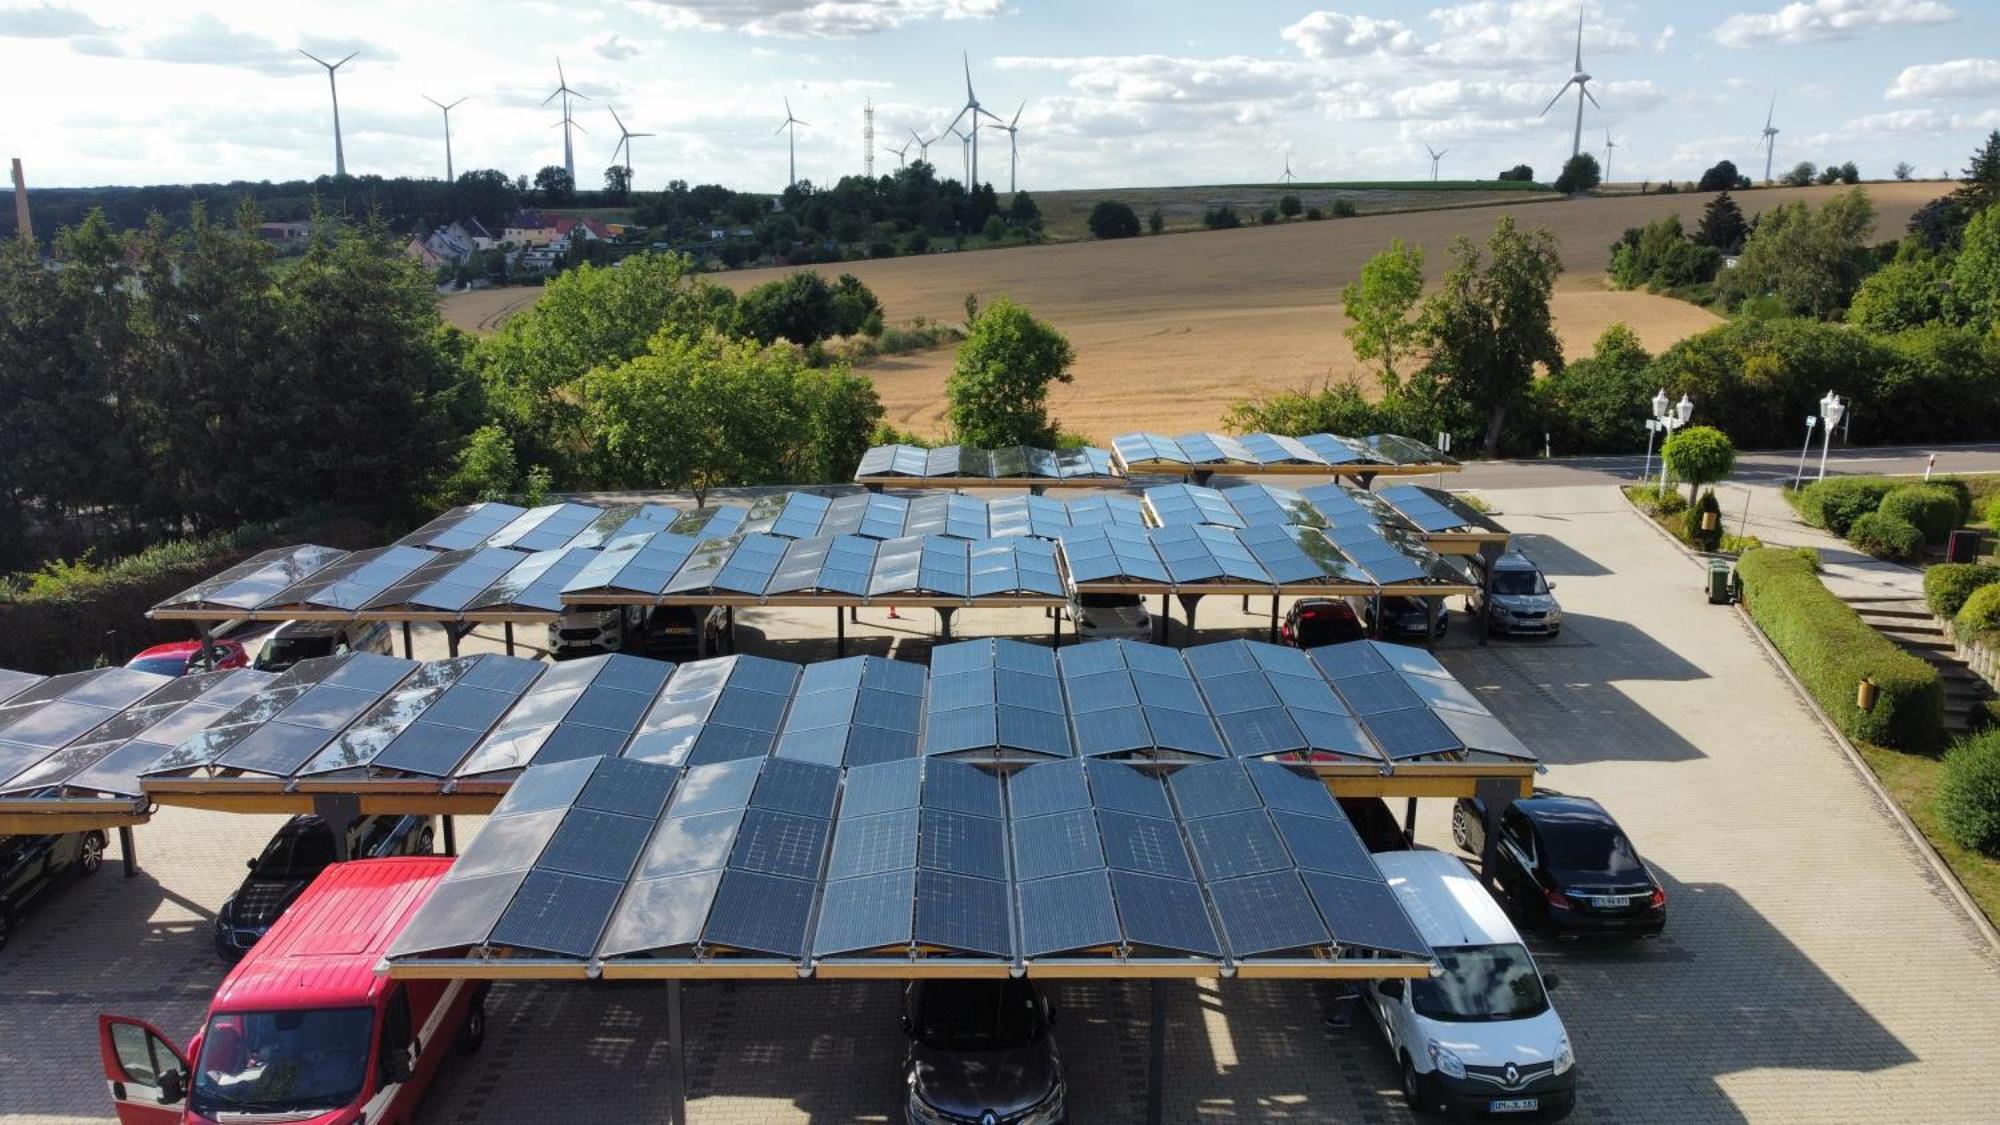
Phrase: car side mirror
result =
(396, 1065)
(173, 1087)
(1551, 982)
(1551, 586)
(250, 863)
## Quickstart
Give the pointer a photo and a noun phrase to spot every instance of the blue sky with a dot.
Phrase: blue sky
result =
(1114, 92)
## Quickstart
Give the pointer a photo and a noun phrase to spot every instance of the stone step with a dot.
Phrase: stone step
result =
(1869, 609)
(1916, 642)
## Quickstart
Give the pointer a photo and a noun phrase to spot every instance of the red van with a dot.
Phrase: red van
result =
(303, 1029)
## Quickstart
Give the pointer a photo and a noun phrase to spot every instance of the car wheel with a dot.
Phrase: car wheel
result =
(92, 856)
(1458, 833)
(473, 1035)
(1413, 1090)
(426, 842)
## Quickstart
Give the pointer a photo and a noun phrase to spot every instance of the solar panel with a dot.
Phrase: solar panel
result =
(779, 843)
(708, 788)
(1411, 733)
(962, 844)
(1116, 731)
(1166, 913)
(881, 788)
(1114, 785)
(254, 581)
(558, 913)
(963, 912)
(1212, 788)
(459, 912)
(962, 788)
(866, 913)
(1027, 689)
(682, 844)
(600, 844)
(760, 912)
(1051, 787)
(1286, 788)
(1380, 691)
(1238, 843)
(1267, 913)
(1354, 658)
(1056, 844)
(866, 845)
(1145, 844)
(1484, 733)
(1067, 912)
(660, 914)
(1324, 843)
(1365, 912)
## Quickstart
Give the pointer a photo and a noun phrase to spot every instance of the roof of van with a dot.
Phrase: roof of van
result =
(1445, 899)
(323, 950)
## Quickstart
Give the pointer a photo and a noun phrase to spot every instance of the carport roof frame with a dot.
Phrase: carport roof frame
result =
(1340, 573)
(968, 466)
(1140, 454)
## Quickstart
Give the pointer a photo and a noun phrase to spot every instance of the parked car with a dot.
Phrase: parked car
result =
(981, 1051)
(1312, 622)
(661, 631)
(294, 641)
(294, 858)
(1516, 598)
(1401, 617)
(30, 865)
(1564, 862)
(1480, 1037)
(305, 1029)
(1102, 617)
(669, 632)
(178, 658)
(1375, 823)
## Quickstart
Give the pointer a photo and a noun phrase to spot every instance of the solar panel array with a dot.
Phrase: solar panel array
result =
(257, 579)
(1435, 510)
(860, 711)
(576, 709)
(995, 695)
(805, 515)
(964, 461)
(1411, 705)
(1189, 558)
(292, 718)
(1147, 451)
(779, 858)
(91, 732)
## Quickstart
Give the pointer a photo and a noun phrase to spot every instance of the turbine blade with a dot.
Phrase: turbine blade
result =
(953, 127)
(1557, 98)
(968, 77)
(615, 117)
(1579, 37)
(456, 104)
(344, 62)
(1017, 114)
(560, 77)
(642, 134)
(314, 58)
(1588, 94)
(434, 101)
(782, 128)
(796, 121)
(1771, 111)
(552, 97)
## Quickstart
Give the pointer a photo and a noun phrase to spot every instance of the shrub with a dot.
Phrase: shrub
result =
(1993, 511)
(1699, 454)
(1831, 650)
(1112, 219)
(1157, 221)
(1221, 218)
(1267, 216)
(1313, 215)
(1344, 209)
(1947, 585)
(1835, 503)
(1968, 794)
(1700, 539)
(1932, 508)
(1979, 614)
(1887, 537)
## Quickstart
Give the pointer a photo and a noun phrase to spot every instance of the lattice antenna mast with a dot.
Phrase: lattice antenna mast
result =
(868, 139)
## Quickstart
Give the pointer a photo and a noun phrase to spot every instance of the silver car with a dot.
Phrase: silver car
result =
(1517, 598)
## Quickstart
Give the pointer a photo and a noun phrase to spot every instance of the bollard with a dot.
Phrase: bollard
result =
(1864, 694)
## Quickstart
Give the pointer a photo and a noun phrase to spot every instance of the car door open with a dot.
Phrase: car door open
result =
(148, 1074)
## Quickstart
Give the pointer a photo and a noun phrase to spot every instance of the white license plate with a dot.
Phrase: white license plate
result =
(1514, 1105)
(1608, 902)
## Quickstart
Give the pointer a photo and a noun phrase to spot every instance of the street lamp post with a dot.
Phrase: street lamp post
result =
(1830, 410)
(1799, 478)
(1670, 420)
(1652, 427)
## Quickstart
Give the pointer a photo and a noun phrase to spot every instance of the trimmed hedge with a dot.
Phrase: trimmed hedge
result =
(1932, 508)
(1979, 614)
(1947, 585)
(1835, 503)
(1887, 537)
(1704, 540)
(1993, 511)
(1831, 650)
(1968, 794)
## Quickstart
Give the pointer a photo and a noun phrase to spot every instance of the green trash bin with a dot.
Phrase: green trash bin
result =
(1721, 582)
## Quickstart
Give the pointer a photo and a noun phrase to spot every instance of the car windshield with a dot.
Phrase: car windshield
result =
(160, 665)
(1519, 582)
(299, 854)
(978, 1015)
(1108, 601)
(1481, 983)
(283, 652)
(1589, 848)
(281, 1062)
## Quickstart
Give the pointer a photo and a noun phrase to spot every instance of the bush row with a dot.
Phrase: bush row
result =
(1968, 794)
(1947, 585)
(1831, 651)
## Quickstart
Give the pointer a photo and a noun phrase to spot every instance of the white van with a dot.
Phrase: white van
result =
(1479, 1038)
(1104, 617)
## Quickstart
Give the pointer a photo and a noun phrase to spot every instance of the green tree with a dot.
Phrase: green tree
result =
(998, 390)
(1975, 275)
(1580, 174)
(1267, 216)
(483, 469)
(487, 195)
(1112, 219)
(1810, 262)
(1906, 293)
(1802, 174)
(996, 228)
(1290, 206)
(1722, 176)
(1594, 404)
(555, 185)
(797, 307)
(1221, 218)
(1378, 306)
(618, 183)
(1519, 172)
(1156, 221)
(1980, 188)
(1659, 255)
(1023, 212)
(1489, 326)
(856, 311)
(1699, 455)
(1722, 224)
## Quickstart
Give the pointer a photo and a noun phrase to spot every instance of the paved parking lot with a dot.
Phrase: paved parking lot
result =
(1811, 970)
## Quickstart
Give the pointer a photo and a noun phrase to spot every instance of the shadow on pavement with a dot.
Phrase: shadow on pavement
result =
(1556, 558)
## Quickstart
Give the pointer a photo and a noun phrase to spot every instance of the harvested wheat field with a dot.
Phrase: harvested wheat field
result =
(1170, 329)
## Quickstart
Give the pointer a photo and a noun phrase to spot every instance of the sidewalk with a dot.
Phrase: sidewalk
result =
(1846, 571)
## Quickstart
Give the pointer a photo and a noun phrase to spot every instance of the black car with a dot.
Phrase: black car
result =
(981, 1053)
(1404, 617)
(1562, 862)
(295, 856)
(30, 865)
(1312, 622)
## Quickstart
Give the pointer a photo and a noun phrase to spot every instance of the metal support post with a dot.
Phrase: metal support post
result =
(1188, 603)
(1489, 553)
(1375, 615)
(1410, 821)
(507, 630)
(450, 834)
(1432, 608)
(1156, 1054)
(1274, 617)
(408, 651)
(1162, 622)
(839, 632)
(207, 648)
(338, 811)
(1201, 477)
(451, 636)
(676, 1058)
(729, 620)
(1055, 630)
(128, 850)
(944, 623)
(1367, 481)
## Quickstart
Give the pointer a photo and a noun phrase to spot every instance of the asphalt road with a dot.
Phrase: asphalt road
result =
(1767, 467)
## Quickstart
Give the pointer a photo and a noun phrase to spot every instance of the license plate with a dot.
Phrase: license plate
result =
(1514, 1105)
(1608, 902)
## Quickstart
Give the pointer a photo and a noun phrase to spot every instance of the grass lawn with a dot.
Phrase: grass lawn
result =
(1910, 780)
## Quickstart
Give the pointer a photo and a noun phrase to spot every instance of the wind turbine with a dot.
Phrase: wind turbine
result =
(902, 153)
(1609, 144)
(624, 143)
(562, 89)
(1437, 154)
(791, 123)
(973, 108)
(448, 178)
(339, 156)
(1013, 149)
(965, 145)
(1770, 136)
(1581, 80)
(1287, 178)
(923, 146)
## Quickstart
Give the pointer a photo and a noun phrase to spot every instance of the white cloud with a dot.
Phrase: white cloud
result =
(1323, 35)
(1959, 78)
(46, 21)
(613, 46)
(812, 19)
(1664, 40)
(1903, 122)
(1492, 34)
(1814, 21)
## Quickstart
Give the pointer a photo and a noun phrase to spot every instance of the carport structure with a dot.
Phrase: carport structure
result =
(1199, 456)
(966, 466)
(72, 746)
